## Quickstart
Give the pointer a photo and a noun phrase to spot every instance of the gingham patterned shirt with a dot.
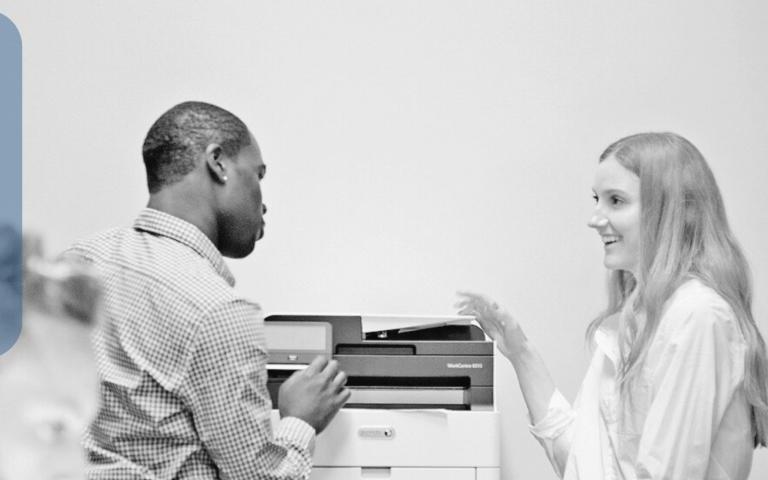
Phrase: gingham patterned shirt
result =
(182, 364)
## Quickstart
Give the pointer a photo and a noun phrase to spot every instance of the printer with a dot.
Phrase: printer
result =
(421, 404)
(392, 362)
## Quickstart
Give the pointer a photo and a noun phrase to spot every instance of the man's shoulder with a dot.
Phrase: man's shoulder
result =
(165, 299)
(160, 265)
(92, 244)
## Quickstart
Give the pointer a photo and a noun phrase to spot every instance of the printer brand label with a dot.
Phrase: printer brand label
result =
(464, 365)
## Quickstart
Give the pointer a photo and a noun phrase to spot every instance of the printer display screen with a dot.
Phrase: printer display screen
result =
(297, 337)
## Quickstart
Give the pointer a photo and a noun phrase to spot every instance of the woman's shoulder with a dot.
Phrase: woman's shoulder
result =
(695, 304)
(695, 295)
(699, 324)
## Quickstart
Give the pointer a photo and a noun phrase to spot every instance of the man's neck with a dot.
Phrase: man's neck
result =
(193, 209)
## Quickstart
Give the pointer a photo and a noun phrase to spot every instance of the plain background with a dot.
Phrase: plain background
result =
(413, 148)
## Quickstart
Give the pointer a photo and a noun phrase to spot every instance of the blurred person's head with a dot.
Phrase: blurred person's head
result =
(48, 380)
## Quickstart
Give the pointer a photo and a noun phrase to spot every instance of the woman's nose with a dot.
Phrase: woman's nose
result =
(598, 220)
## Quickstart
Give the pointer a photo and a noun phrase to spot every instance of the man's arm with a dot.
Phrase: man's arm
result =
(225, 389)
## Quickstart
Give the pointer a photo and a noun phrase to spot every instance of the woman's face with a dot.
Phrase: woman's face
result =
(617, 214)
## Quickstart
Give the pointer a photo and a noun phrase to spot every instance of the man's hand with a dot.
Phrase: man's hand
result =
(314, 394)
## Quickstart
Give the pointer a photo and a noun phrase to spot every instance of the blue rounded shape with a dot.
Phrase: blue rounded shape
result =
(10, 185)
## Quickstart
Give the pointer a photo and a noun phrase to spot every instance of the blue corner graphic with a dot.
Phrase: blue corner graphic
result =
(10, 184)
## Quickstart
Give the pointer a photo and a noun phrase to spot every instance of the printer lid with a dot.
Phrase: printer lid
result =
(355, 328)
(372, 323)
(406, 323)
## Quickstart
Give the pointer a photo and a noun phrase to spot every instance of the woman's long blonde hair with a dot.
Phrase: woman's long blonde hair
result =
(684, 234)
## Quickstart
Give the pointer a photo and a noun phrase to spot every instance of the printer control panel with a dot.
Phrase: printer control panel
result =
(445, 366)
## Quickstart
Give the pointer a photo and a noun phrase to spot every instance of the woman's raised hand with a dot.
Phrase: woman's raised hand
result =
(497, 323)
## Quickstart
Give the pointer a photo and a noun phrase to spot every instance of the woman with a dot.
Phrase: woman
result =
(677, 384)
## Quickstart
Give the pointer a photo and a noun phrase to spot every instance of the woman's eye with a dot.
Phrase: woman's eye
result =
(616, 200)
(594, 197)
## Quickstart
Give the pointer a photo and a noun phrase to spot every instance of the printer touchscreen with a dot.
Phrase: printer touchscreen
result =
(293, 345)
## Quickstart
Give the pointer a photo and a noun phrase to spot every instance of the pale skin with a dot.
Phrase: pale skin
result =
(616, 219)
(535, 381)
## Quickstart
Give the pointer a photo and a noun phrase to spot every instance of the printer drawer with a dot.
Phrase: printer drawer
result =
(397, 438)
(358, 473)
(414, 439)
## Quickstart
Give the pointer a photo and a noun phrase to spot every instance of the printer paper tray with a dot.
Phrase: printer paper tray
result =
(377, 397)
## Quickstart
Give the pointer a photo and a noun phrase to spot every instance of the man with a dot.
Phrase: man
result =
(181, 356)
(48, 378)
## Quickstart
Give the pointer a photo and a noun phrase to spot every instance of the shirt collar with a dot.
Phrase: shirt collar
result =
(607, 339)
(166, 225)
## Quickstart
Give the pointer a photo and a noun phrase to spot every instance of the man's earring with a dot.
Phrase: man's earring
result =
(224, 178)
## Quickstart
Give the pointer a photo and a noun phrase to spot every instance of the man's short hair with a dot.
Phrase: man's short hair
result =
(182, 133)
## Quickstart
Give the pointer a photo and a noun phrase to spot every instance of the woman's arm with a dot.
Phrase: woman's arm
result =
(550, 413)
(535, 381)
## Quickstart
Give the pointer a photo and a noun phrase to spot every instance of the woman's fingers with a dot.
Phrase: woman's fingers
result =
(465, 293)
(475, 304)
(472, 299)
(495, 322)
(461, 304)
(487, 313)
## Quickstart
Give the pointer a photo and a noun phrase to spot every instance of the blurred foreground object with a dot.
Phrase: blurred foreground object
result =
(48, 377)
(10, 286)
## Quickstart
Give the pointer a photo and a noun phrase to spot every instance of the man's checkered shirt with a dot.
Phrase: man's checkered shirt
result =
(182, 364)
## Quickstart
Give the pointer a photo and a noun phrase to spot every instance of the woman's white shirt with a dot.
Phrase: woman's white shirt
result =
(687, 417)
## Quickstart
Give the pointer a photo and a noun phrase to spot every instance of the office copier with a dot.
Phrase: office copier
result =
(421, 404)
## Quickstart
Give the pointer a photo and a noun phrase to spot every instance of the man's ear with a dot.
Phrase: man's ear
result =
(216, 163)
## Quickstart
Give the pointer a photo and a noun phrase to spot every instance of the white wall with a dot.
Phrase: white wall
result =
(414, 148)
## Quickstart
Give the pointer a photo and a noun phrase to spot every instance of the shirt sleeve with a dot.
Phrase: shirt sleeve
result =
(554, 431)
(700, 368)
(225, 390)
